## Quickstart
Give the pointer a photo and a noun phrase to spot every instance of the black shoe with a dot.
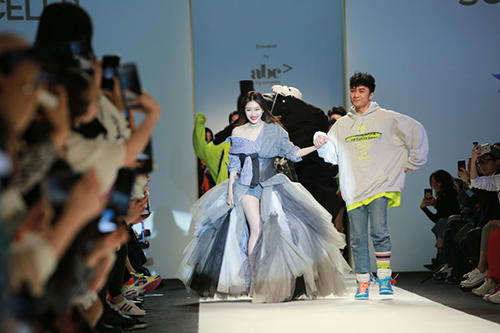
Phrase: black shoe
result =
(431, 267)
(105, 328)
(114, 318)
(452, 280)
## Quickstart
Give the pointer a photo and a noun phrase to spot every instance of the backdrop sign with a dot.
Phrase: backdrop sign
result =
(294, 43)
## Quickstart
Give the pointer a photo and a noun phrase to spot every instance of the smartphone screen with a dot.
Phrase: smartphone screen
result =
(461, 165)
(110, 65)
(107, 221)
(81, 53)
(129, 80)
(146, 159)
(428, 193)
(122, 191)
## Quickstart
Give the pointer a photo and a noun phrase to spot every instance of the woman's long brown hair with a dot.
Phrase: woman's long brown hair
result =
(257, 97)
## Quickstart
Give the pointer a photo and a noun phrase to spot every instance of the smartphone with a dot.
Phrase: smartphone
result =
(461, 165)
(107, 222)
(428, 193)
(110, 65)
(146, 159)
(60, 185)
(80, 51)
(130, 83)
(122, 190)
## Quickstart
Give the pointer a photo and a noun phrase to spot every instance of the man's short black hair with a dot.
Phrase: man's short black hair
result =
(337, 110)
(362, 79)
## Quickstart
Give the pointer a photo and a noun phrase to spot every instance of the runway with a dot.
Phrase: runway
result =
(404, 312)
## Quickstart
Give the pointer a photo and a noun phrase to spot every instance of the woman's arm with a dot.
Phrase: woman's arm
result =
(305, 151)
(230, 196)
(473, 160)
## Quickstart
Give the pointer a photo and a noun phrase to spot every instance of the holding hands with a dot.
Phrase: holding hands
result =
(320, 140)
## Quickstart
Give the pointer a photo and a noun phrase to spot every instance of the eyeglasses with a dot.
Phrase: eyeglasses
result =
(484, 161)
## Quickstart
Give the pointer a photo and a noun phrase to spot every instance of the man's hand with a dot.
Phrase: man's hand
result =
(320, 140)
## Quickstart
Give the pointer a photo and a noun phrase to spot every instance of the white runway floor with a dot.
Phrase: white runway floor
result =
(404, 312)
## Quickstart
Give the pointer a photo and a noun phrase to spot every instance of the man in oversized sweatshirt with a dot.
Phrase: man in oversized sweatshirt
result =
(374, 149)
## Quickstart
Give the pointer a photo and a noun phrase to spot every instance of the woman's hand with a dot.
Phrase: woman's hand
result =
(230, 198)
(464, 176)
(427, 202)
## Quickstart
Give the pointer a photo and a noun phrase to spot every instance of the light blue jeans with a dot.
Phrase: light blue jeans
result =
(376, 214)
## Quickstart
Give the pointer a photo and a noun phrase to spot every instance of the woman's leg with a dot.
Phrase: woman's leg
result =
(485, 235)
(251, 207)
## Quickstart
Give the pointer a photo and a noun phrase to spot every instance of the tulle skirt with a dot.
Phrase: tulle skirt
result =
(298, 251)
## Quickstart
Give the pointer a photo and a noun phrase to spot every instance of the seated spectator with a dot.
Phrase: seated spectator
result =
(492, 283)
(445, 204)
(489, 183)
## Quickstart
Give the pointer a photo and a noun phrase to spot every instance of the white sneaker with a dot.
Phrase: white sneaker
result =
(474, 279)
(487, 287)
(127, 307)
(494, 297)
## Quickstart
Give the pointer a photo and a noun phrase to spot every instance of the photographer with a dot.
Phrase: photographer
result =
(40, 242)
(105, 153)
(446, 204)
(485, 160)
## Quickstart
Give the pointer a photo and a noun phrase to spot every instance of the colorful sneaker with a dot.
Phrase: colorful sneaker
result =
(148, 283)
(385, 286)
(385, 281)
(362, 290)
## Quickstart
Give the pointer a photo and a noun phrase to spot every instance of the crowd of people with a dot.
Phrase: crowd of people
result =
(466, 216)
(73, 183)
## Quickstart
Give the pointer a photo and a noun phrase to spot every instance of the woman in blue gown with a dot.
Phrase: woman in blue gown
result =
(257, 233)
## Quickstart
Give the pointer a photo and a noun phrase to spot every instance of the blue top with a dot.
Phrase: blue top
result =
(251, 158)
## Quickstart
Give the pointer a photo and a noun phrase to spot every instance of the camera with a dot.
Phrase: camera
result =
(428, 193)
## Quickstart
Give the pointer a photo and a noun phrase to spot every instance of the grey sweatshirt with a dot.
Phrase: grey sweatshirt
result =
(372, 150)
